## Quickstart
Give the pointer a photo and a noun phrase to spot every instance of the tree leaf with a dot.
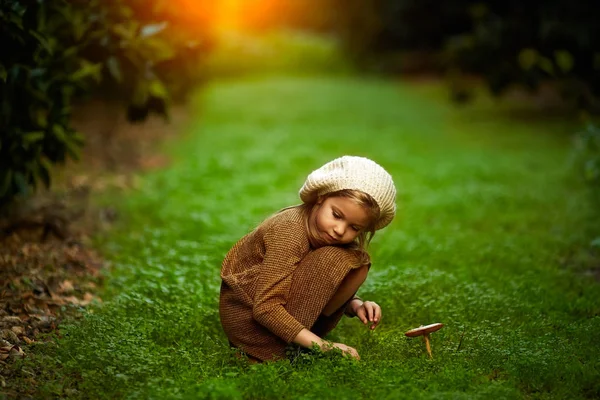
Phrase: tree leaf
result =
(546, 65)
(59, 133)
(114, 68)
(5, 182)
(157, 50)
(47, 44)
(528, 58)
(79, 26)
(72, 150)
(78, 138)
(157, 88)
(21, 182)
(152, 29)
(16, 19)
(44, 171)
(32, 137)
(41, 118)
(564, 60)
(88, 69)
(140, 93)
(125, 32)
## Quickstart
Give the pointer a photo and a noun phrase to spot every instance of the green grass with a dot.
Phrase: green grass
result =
(276, 52)
(491, 239)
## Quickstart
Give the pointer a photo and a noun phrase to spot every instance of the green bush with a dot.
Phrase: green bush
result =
(528, 44)
(39, 76)
(369, 29)
(53, 53)
(507, 42)
(587, 154)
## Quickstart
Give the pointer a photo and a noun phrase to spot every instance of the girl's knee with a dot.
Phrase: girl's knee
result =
(335, 255)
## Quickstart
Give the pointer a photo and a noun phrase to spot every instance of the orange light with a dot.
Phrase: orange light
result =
(249, 14)
(236, 15)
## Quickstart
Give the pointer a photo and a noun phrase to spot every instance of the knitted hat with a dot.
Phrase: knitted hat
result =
(358, 173)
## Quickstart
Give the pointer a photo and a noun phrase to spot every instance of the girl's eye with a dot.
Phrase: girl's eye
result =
(336, 215)
(355, 228)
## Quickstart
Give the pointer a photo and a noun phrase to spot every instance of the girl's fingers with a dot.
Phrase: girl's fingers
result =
(376, 323)
(369, 312)
(369, 309)
(361, 314)
(377, 314)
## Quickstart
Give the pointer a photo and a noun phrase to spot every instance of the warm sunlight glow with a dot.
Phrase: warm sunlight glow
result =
(223, 16)
(227, 14)
(236, 15)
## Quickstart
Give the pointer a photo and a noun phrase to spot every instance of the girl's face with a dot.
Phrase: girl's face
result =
(339, 220)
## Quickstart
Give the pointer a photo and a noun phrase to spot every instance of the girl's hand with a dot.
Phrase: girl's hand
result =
(367, 312)
(351, 351)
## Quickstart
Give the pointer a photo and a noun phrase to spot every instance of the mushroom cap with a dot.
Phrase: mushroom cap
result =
(422, 330)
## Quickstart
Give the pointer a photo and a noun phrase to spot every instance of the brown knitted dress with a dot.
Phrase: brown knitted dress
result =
(274, 285)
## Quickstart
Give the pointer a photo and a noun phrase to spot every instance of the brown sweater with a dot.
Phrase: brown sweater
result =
(275, 284)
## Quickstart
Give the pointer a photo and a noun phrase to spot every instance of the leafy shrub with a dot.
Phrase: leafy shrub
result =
(53, 53)
(38, 78)
(587, 154)
(508, 43)
(370, 28)
(527, 44)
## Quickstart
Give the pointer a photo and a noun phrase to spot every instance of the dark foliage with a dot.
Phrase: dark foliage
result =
(529, 43)
(54, 53)
(507, 42)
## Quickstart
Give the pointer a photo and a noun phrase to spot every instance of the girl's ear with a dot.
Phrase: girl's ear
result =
(319, 200)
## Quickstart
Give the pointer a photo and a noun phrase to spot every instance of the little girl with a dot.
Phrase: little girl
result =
(291, 279)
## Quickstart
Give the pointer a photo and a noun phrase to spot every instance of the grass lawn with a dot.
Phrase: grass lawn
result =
(492, 239)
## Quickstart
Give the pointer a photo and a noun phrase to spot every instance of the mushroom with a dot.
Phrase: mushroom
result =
(425, 331)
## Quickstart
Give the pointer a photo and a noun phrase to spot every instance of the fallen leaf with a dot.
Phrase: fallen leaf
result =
(16, 352)
(65, 286)
(72, 299)
(18, 330)
(88, 298)
(90, 285)
(27, 295)
(11, 319)
(10, 336)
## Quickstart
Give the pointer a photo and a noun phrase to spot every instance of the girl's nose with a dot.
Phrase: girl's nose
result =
(339, 230)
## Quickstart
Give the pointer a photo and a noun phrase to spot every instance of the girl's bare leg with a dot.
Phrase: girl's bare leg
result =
(348, 287)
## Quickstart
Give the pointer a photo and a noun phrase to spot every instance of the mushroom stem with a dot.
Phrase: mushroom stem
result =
(426, 340)
(425, 331)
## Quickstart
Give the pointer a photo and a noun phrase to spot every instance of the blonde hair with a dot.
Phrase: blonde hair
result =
(362, 241)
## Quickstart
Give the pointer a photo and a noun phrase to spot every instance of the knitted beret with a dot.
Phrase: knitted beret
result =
(358, 173)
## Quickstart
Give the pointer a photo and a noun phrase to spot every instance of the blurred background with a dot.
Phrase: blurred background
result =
(77, 71)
